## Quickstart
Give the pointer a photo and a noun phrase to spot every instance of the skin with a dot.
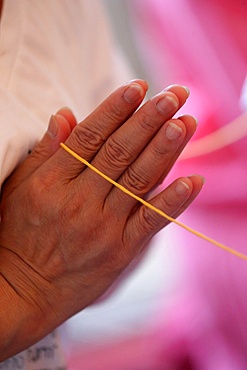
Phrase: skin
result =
(66, 234)
(1, 6)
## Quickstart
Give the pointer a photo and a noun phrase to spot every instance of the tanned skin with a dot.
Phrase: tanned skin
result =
(1, 5)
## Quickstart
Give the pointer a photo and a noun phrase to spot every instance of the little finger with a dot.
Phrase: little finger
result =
(145, 222)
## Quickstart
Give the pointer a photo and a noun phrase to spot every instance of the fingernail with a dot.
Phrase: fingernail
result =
(133, 93)
(167, 104)
(175, 85)
(181, 188)
(187, 90)
(190, 115)
(202, 177)
(53, 127)
(196, 120)
(173, 131)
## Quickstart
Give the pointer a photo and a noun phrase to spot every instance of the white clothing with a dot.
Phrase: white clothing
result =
(52, 54)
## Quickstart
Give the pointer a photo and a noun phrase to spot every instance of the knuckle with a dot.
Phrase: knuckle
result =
(39, 152)
(37, 186)
(168, 205)
(147, 122)
(113, 112)
(149, 220)
(116, 260)
(116, 153)
(136, 181)
(35, 191)
(159, 152)
(88, 138)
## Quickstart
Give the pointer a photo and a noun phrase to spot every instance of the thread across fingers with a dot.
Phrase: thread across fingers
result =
(148, 220)
(178, 190)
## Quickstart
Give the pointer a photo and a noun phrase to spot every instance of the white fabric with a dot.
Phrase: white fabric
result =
(52, 54)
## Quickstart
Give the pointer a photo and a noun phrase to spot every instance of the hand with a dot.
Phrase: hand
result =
(66, 234)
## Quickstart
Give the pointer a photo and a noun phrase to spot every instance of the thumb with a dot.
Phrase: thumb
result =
(58, 131)
(60, 127)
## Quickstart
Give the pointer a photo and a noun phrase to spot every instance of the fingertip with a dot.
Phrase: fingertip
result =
(190, 123)
(135, 91)
(189, 118)
(182, 187)
(59, 128)
(197, 180)
(139, 81)
(68, 114)
(189, 184)
(167, 103)
(64, 127)
(182, 92)
(52, 127)
(186, 89)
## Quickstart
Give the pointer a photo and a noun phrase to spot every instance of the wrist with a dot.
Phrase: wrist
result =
(24, 318)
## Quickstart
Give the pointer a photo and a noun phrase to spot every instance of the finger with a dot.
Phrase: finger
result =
(59, 129)
(126, 144)
(68, 115)
(191, 124)
(89, 136)
(182, 94)
(144, 223)
(142, 175)
(197, 181)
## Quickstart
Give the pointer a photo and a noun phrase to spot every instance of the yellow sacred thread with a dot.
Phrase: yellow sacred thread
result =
(161, 213)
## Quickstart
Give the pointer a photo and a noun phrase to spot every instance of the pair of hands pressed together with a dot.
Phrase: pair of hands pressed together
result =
(66, 234)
